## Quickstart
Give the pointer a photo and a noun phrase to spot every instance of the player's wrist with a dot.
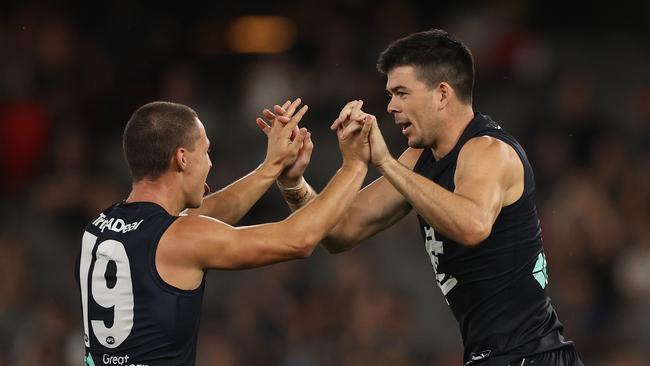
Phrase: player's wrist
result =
(354, 165)
(270, 170)
(297, 195)
(291, 184)
(385, 164)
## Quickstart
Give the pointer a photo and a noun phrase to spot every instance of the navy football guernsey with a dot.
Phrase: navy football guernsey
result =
(497, 289)
(130, 315)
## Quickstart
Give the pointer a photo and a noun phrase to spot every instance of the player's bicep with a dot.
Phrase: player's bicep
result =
(482, 174)
(214, 244)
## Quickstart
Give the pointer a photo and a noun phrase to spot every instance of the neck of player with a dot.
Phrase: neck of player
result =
(451, 130)
(160, 192)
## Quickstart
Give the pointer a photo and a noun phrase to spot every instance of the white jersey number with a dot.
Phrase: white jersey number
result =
(119, 297)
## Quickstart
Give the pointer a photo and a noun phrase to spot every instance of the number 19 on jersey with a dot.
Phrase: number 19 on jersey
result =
(119, 297)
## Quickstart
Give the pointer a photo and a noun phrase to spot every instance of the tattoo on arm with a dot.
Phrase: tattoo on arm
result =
(298, 196)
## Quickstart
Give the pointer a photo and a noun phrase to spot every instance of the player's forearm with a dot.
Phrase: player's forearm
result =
(343, 236)
(232, 202)
(375, 208)
(317, 218)
(455, 216)
(337, 242)
(357, 224)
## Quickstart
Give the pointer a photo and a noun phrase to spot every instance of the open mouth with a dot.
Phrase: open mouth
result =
(406, 127)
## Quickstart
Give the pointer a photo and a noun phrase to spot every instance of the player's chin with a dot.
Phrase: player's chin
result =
(196, 201)
(194, 205)
(415, 143)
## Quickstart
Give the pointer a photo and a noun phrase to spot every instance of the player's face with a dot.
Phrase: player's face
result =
(199, 165)
(412, 104)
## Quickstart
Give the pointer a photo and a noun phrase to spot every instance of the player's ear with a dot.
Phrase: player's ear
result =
(179, 160)
(443, 94)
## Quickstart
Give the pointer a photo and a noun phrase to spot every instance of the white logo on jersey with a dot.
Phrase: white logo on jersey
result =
(119, 226)
(118, 360)
(477, 356)
(434, 249)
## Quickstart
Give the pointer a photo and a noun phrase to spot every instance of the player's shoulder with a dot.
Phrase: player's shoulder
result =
(410, 157)
(488, 153)
(487, 147)
(189, 235)
(193, 222)
(194, 227)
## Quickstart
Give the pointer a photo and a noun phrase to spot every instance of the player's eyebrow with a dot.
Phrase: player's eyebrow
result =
(397, 88)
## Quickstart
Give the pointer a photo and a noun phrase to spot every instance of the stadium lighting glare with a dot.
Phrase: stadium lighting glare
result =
(260, 34)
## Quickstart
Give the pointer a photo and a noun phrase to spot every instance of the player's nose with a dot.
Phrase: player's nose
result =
(392, 107)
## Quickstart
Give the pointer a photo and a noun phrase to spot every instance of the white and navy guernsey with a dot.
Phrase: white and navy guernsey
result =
(130, 315)
(497, 289)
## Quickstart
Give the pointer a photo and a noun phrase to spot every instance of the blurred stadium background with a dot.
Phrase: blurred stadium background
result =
(570, 81)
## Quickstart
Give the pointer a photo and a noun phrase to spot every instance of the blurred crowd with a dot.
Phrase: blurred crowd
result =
(572, 86)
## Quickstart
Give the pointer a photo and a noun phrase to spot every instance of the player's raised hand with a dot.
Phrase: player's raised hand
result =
(285, 139)
(379, 152)
(285, 110)
(292, 173)
(351, 109)
(353, 141)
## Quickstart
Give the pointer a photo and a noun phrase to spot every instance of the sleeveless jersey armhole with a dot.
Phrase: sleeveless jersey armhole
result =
(153, 270)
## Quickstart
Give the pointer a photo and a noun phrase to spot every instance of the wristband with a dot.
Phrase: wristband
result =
(297, 187)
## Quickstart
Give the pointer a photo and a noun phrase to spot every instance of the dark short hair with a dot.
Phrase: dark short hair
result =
(437, 56)
(152, 135)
